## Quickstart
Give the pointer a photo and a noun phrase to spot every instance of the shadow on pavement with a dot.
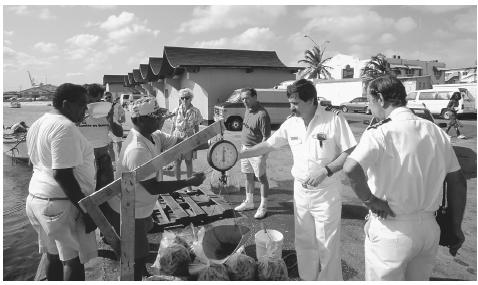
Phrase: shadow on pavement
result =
(467, 159)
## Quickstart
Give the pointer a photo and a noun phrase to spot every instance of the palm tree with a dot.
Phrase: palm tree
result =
(375, 67)
(315, 60)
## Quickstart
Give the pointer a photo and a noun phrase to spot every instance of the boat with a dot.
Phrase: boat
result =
(14, 103)
(15, 146)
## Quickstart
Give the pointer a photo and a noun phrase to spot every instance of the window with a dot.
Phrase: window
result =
(412, 96)
(409, 72)
(427, 96)
(443, 96)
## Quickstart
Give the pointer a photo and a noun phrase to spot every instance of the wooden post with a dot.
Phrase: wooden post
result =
(128, 182)
(124, 243)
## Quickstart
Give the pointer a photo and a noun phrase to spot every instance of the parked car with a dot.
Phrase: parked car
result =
(359, 104)
(323, 101)
(232, 111)
(437, 100)
(418, 110)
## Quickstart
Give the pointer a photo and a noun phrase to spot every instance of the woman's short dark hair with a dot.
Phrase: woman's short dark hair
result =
(69, 92)
(304, 88)
(391, 88)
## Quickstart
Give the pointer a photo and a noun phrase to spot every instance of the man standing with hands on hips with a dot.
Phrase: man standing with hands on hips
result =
(256, 128)
(318, 138)
(406, 160)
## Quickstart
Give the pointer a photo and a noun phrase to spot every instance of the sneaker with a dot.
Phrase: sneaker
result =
(261, 213)
(245, 205)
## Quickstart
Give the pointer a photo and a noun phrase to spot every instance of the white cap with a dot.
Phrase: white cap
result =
(144, 107)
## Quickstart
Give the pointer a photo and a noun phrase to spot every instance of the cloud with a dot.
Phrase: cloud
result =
(46, 47)
(136, 58)
(114, 48)
(19, 10)
(128, 33)
(79, 53)
(437, 9)
(72, 74)
(353, 25)
(103, 7)
(387, 38)
(115, 22)
(7, 42)
(45, 14)
(442, 34)
(466, 22)
(405, 24)
(7, 33)
(15, 60)
(229, 17)
(256, 38)
(125, 27)
(83, 40)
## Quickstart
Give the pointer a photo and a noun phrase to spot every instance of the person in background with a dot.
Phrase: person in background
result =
(319, 138)
(256, 128)
(118, 118)
(144, 142)
(63, 173)
(19, 128)
(452, 108)
(397, 170)
(185, 124)
(96, 131)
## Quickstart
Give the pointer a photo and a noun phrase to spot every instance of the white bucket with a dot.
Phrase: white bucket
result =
(270, 242)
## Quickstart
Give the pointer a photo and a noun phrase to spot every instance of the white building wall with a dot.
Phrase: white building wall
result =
(339, 91)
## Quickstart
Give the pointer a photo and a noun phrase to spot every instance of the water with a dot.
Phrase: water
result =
(20, 241)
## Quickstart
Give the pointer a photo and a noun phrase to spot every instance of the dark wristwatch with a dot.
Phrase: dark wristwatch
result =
(329, 172)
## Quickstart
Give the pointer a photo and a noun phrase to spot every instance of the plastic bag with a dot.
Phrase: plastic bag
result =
(174, 255)
(241, 267)
(272, 269)
(214, 272)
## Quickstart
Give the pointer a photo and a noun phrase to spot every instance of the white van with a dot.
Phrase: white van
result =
(232, 111)
(437, 100)
(125, 99)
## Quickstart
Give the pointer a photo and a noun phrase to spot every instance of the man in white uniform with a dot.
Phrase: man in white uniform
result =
(318, 138)
(406, 160)
(63, 173)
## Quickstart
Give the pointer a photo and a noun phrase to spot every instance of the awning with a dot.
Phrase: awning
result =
(405, 66)
(414, 67)
(397, 66)
(442, 68)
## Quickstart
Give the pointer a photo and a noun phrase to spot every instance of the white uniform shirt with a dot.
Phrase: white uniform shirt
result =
(406, 161)
(136, 151)
(54, 142)
(307, 151)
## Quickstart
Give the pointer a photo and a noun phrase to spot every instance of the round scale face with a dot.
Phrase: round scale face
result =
(222, 155)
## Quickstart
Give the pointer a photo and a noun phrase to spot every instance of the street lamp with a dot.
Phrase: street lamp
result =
(320, 46)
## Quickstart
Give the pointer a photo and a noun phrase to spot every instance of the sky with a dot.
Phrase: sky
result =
(80, 44)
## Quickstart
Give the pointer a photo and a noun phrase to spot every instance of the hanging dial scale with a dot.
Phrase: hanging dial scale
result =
(222, 156)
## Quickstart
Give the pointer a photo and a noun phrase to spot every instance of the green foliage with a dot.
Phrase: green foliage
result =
(316, 68)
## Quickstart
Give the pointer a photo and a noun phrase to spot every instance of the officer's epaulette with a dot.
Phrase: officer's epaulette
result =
(378, 124)
(336, 110)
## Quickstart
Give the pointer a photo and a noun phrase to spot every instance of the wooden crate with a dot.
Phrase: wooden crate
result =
(181, 209)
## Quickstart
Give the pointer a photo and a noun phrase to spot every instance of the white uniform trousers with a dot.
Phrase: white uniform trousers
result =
(401, 248)
(317, 214)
